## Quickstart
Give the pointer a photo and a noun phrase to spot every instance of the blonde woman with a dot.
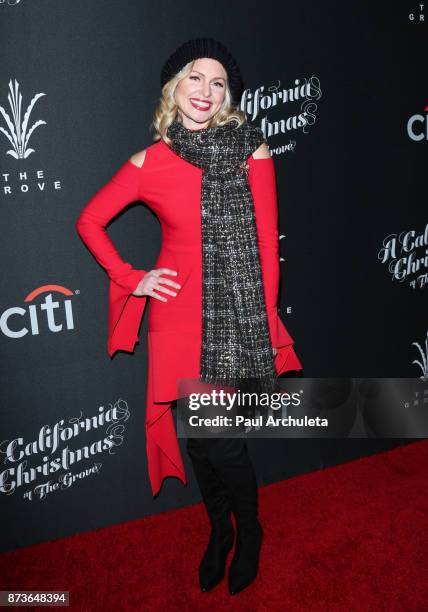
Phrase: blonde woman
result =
(213, 292)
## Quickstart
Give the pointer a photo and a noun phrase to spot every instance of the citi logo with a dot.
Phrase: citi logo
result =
(54, 315)
(417, 126)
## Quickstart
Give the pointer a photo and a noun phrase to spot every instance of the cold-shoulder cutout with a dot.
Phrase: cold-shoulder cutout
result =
(138, 158)
(262, 152)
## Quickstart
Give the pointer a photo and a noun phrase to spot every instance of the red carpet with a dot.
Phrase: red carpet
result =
(351, 537)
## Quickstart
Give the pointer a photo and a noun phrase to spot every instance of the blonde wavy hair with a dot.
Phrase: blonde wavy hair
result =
(167, 110)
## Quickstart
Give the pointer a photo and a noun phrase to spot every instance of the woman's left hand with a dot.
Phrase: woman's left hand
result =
(274, 351)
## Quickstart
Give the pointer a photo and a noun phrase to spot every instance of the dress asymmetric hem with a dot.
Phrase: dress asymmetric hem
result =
(171, 187)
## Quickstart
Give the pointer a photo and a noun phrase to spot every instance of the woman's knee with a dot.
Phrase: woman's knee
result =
(228, 450)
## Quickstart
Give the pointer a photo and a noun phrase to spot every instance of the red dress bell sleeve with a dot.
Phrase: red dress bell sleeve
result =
(262, 181)
(124, 309)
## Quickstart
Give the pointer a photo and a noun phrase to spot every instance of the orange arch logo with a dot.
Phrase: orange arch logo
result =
(45, 289)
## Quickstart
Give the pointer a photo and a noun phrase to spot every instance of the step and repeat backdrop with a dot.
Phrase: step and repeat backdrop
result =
(341, 95)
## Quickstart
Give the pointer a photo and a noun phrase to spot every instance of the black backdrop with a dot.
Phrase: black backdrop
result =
(349, 175)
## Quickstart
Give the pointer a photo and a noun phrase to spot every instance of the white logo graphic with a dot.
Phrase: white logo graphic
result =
(404, 261)
(302, 92)
(51, 462)
(17, 322)
(417, 126)
(424, 355)
(19, 133)
(418, 17)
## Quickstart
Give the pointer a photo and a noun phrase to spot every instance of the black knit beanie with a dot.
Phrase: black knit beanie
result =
(204, 47)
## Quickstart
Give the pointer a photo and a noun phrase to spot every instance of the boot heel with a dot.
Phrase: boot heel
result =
(213, 564)
(244, 566)
(217, 501)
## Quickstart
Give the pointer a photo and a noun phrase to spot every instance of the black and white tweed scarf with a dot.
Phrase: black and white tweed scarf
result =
(236, 345)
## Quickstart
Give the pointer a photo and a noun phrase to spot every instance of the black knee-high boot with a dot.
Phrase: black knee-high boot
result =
(231, 460)
(217, 502)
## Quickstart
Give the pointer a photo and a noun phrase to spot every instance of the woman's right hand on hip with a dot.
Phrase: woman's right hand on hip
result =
(154, 281)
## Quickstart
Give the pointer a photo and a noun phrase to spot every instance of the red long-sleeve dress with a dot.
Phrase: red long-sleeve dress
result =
(171, 187)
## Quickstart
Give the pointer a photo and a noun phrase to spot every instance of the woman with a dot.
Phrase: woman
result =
(210, 179)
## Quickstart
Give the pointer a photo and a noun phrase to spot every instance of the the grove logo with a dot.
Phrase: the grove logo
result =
(424, 356)
(54, 315)
(417, 126)
(400, 251)
(418, 17)
(19, 133)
